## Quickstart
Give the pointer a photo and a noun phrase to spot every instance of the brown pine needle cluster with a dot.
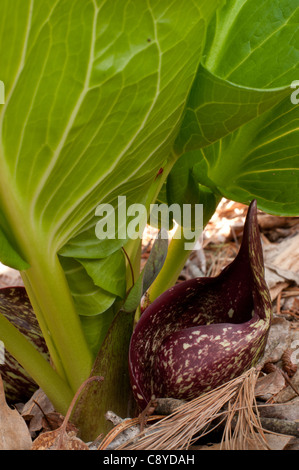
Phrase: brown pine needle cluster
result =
(231, 405)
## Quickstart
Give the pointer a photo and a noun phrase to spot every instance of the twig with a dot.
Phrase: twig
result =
(148, 411)
(63, 427)
(281, 426)
(121, 427)
(270, 367)
(278, 303)
(44, 414)
(130, 265)
(285, 375)
(167, 406)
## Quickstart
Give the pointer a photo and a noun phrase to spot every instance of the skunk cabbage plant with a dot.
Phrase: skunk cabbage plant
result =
(181, 102)
(205, 331)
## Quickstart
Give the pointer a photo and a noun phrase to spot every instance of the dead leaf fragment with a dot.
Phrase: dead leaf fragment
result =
(282, 261)
(35, 409)
(278, 340)
(285, 411)
(14, 434)
(54, 420)
(269, 385)
(277, 442)
(59, 439)
(288, 365)
(289, 393)
(268, 221)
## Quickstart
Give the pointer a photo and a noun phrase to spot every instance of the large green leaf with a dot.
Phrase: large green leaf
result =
(216, 107)
(95, 95)
(253, 43)
(108, 273)
(9, 255)
(96, 111)
(183, 188)
(238, 79)
(240, 130)
(95, 285)
(95, 328)
(89, 298)
(260, 160)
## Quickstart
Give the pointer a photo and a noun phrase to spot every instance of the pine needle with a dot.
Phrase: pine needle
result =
(233, 403)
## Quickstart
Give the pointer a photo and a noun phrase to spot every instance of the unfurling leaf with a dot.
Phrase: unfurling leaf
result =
(205, 331)
(149, 273)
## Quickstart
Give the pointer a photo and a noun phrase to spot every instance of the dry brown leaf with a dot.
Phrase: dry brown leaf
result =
(287, 363)
(35, 409)
(278, 340)
(267, 221)
(282, 261)
(39, 414)
(286, 411)
(275, 442)
(14, 433)
(54, 420)
(59, 439)
(269, 385)
(288, 393)
(276, 289)
(293, 444)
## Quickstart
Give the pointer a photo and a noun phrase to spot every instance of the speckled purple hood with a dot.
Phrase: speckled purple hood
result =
(205, 331)
(15, 307)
